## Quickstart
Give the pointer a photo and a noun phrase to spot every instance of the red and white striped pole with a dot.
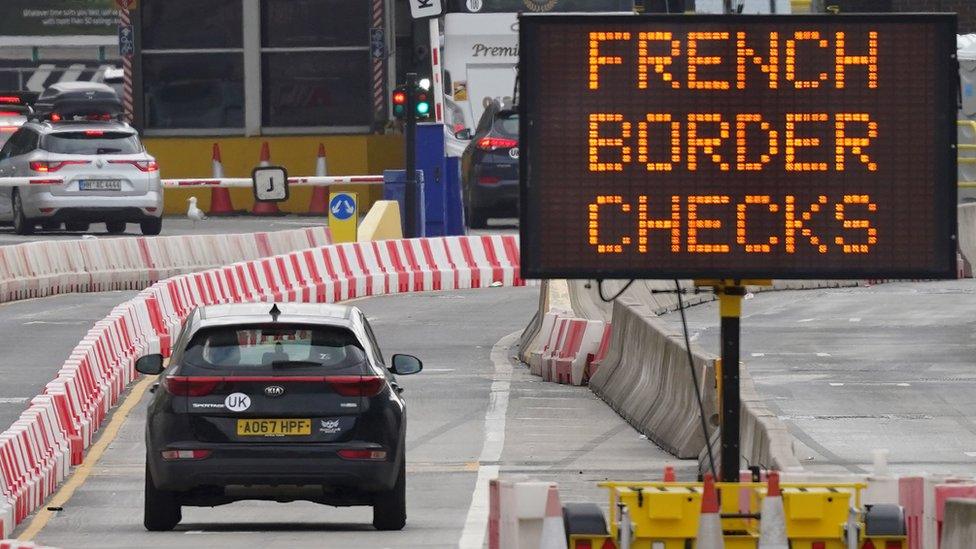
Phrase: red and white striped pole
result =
(126, 22)
(379, 62)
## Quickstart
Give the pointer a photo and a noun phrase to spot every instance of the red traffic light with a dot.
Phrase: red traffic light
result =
(399, 97)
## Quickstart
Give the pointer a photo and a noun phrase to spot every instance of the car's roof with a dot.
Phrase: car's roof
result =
(254, 313)
(81, 125)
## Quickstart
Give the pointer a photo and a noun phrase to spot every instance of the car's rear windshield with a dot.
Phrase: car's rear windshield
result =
(92, 142)
(287, 349)
(507, 126)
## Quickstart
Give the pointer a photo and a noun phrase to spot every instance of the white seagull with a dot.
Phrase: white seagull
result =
(193, 213)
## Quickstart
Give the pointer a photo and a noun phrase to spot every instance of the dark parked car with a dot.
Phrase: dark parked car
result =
(281, 403)
(490, 167)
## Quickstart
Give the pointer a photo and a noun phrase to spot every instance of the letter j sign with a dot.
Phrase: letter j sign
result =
(420, 9)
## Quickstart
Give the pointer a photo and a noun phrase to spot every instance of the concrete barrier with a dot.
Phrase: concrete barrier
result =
(646, 379)
(959, 529)
(967, 231)
(382, 222)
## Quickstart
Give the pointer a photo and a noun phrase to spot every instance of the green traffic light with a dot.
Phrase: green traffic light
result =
(423, 108)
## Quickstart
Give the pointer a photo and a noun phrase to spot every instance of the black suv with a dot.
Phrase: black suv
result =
(282, 403)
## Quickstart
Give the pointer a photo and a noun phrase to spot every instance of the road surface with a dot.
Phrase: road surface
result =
(545, 432)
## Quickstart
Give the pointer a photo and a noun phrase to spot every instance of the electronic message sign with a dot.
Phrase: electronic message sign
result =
(738, 146)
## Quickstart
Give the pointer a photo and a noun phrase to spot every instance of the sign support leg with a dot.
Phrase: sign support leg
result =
(730, 295)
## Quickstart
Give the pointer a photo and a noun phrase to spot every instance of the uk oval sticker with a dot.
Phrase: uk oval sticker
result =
(237, 402)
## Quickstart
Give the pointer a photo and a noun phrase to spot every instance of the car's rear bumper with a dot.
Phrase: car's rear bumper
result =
(131, 208)
(500, 198)
(264, 464)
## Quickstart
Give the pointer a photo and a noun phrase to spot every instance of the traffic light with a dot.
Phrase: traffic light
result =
(400, 102)
(422, 103)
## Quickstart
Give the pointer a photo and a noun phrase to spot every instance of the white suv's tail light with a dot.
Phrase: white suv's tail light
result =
(143, 165)
(43, 166)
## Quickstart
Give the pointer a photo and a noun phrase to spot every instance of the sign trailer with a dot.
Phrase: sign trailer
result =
(732, 148)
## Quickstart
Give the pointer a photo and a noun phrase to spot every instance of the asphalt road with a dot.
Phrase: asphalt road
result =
(850, 370)
(36, 336)
(176, 225)
(471, 415)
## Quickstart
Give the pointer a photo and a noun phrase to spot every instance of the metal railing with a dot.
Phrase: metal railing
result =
(971, 149)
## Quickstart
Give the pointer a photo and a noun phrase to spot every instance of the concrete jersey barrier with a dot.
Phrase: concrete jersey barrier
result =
(959, 528)
(37, 451)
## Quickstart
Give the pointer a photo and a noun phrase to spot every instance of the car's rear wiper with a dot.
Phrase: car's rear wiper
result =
(107, 150)
(293, 364)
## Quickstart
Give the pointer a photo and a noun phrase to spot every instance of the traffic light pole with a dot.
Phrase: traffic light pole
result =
(410, 196)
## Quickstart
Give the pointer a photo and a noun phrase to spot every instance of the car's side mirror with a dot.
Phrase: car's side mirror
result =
(464, 134)
(405, 365)
(150, 365)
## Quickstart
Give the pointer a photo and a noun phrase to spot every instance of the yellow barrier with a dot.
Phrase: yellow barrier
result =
(666, 515)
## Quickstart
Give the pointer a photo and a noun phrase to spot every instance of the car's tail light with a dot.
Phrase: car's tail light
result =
(10, 99)
(94, 133)
(143, 165)
(349, 386)
(55, 117)
(103, 116)
(10, 113)
(171, 455)
(8, 129)
(493, 143)
(190, 386)
(370, 455)
(42, 166)
(488, 180)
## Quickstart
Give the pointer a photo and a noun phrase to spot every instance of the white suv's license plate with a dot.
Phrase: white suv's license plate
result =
(100, 185)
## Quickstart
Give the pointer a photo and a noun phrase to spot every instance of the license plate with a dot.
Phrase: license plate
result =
(100, 185)
(274, 427)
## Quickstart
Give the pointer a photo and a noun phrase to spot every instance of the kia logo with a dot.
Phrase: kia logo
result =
(274, 391)
(513, 152)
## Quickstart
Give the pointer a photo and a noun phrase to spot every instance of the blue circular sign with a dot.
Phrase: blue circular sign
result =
(342, 206)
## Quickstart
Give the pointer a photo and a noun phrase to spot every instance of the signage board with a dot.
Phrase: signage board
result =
(420, 9)
(738, 147)
(343, 217)
(270, 184)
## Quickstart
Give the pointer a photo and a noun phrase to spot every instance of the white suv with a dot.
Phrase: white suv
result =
(99, 172)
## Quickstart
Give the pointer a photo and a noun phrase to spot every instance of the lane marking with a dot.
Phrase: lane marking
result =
(55, 322)
(13, 400)
(854, 319)
(970, 454)
(476, 522)
(80, 475)
(806, 320)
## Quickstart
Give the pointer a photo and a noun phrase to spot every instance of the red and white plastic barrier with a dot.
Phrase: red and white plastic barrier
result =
(38, 269)
(570, 344)
(14, 544)
(37, 450)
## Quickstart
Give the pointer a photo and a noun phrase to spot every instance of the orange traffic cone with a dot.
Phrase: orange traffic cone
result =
(553, 531)
(772, 526)
(319, 204)
(669, 473)
(709, 523)
(220, 203)
(265, 208)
